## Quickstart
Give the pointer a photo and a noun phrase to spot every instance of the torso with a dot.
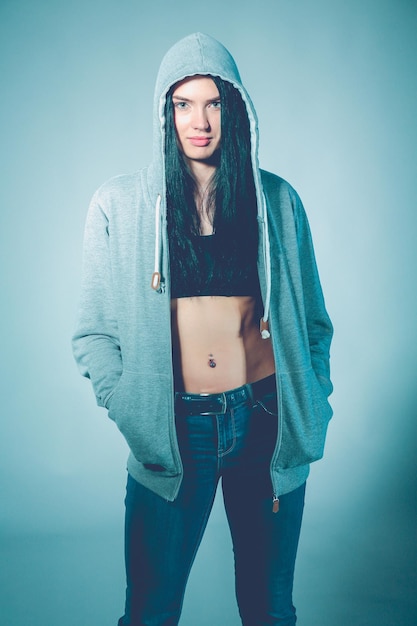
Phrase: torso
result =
(217, 345)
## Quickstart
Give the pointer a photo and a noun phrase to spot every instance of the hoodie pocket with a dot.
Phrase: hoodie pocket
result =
(142, 415)
(305, 415)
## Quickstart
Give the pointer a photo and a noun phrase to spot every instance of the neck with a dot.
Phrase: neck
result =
(202, 173)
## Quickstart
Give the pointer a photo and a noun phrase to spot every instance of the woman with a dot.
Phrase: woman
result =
(220, 367)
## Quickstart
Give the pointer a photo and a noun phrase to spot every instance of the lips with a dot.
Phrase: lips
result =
(199, 141)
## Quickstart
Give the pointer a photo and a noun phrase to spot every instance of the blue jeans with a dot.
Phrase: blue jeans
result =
(162, 538)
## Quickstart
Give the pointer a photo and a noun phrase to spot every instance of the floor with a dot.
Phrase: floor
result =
(345, 577)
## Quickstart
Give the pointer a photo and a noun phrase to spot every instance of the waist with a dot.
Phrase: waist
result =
(220, 403)
(222, 330)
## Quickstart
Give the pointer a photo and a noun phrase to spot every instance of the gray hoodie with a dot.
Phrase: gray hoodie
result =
(122, 340)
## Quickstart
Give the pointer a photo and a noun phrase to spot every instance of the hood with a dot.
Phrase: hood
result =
(196, 54)
(203, 55)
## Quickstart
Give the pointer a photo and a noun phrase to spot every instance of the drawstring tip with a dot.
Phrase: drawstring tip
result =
(264, 329)
(156, 281)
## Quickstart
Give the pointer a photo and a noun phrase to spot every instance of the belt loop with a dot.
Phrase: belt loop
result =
(224, 400)
(249, 389)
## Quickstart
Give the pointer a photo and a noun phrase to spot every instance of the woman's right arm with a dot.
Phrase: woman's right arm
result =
(95, 342)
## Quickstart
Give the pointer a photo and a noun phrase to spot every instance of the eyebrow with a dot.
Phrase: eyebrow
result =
(188, 100)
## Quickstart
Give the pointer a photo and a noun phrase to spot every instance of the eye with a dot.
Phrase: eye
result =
(216, 104)
(181, 106)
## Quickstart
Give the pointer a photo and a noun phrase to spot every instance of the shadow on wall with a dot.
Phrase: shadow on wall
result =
(358, 554)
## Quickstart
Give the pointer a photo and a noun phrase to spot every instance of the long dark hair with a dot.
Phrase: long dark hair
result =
(232, 193)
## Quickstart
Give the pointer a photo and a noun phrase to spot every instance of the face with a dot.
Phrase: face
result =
(197, 116)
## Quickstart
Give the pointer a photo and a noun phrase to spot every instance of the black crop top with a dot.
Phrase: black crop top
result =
(208, 283)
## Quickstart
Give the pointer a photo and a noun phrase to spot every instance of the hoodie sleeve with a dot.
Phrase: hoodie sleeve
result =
(95, 342)
(319, 326)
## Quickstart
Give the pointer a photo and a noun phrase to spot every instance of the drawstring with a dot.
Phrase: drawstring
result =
(264, 324)
(156, 276)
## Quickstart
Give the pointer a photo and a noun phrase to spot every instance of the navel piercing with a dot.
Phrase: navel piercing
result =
(211, 361)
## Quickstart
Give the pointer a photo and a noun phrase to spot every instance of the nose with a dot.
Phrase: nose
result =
(200, 119)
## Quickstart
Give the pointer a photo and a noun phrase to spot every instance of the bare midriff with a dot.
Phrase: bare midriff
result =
(217, 345)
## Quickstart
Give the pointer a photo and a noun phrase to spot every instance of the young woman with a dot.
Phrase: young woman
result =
(203, 329)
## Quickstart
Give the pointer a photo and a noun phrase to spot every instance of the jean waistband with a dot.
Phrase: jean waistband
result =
(219, 403)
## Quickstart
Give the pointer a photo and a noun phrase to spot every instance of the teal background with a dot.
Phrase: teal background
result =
(335, 87)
